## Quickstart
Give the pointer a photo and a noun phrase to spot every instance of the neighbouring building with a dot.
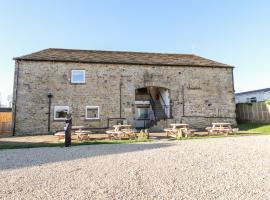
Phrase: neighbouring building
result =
(253, 96)
(253, 106)
(147, 89)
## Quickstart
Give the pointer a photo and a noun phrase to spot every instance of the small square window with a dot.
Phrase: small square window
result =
(92, 112)
(60, 112)
(78, 76)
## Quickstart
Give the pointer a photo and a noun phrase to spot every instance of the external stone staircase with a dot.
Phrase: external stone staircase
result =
(156, 106)
(161, 119)
(159, 110)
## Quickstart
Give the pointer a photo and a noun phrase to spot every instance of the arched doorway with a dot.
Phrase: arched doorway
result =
(151, 105)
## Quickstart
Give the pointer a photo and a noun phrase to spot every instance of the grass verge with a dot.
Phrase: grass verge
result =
(254, 127)
(222, 136)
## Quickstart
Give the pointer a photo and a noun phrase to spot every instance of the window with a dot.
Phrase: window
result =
(143, 113)
(252, 100)
(92, 112)
(60, 112)
(77, 76)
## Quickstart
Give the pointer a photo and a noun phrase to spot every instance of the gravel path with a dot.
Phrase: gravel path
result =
(221, 168)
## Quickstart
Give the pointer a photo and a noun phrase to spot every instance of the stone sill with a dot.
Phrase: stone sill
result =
(92, 119)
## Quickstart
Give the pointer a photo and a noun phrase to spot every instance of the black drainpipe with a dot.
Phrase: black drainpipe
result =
(120, 99)
(49, 111)
(183, 100)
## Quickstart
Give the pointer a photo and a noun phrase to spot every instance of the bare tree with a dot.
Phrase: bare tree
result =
(9, 99)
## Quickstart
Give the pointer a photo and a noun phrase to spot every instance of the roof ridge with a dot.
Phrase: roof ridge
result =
(119, 51)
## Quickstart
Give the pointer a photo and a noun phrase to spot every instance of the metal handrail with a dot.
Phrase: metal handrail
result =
(152, 102)
(161, 98)
(166, 108)
(164, 105)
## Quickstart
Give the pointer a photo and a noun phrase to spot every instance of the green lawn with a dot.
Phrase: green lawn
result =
(254, 127)
(74, 143)
(245, 129)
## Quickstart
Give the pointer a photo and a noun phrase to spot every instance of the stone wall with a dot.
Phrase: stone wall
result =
(198, 93)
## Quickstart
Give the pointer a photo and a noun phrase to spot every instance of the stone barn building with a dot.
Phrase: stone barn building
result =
(149, 90)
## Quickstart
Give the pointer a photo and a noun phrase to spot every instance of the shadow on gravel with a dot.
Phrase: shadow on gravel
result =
(19, 158)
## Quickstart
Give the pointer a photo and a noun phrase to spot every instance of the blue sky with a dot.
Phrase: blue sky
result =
(232, 32)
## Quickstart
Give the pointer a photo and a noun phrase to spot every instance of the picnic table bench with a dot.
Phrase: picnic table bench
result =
(82, 135)
(121, 131)
(225, 128)
(178, 130)
(77, 130)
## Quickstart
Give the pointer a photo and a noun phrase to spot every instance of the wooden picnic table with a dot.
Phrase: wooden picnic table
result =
(222, 124)
(77, 130)
(178, 130)
(180, 126)
(81, 133)
(121, 131)
(122, 126)
(222, 127)
(77, 127)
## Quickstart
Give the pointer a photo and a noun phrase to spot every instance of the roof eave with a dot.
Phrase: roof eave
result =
(253, 91)
(123, 63)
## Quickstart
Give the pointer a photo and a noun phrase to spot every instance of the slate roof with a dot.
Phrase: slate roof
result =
(119, 57)
(254, 91)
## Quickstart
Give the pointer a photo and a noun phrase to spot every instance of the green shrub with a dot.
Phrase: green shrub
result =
(267, 102)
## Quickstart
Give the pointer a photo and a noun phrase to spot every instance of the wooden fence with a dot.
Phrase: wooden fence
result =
(5, 127)
(5, 122)
(5, 116)
(253, 112)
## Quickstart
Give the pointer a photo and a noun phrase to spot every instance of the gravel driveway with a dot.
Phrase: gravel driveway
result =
(221, 168)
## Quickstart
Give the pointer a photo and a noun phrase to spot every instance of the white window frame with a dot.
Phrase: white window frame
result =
(89, 107)
(59, 107)
(78, 70)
